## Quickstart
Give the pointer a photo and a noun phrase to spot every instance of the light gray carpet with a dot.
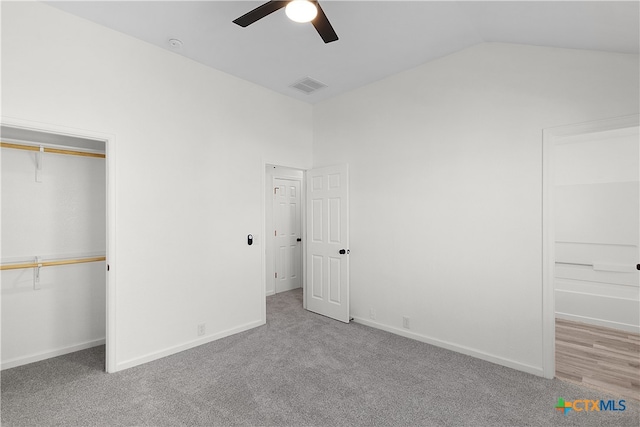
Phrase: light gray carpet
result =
(299, 369)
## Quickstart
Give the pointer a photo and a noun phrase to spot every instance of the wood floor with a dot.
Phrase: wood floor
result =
(597, 357)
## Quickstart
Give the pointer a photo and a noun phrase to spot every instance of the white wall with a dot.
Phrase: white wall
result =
(62, 216)
(446, 187)
(188, 163)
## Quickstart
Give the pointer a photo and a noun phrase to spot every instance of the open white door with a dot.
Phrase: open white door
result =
(327, 290)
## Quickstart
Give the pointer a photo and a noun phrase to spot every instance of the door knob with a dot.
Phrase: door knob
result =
(344, 251)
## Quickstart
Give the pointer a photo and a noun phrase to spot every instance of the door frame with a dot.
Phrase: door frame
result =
(550, 139)
(110, 223)
(264, 240)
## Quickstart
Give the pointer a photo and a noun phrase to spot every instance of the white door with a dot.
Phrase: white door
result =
(327, 290)
(288, 224)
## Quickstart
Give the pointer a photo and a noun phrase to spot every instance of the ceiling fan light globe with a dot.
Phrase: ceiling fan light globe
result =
(301, 11)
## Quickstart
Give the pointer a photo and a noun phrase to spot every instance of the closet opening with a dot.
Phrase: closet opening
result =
(55, 246)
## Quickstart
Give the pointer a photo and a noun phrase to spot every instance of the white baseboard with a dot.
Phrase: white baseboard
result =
(615, 311)
(186, 346)
(599, 322)
(535, 370)
(19, 361)
(286, 289)
(273, 292)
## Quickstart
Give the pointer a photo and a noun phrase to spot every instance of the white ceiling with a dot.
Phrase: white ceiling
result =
(377, 38)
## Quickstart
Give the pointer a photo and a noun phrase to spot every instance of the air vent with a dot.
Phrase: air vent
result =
(308, 85)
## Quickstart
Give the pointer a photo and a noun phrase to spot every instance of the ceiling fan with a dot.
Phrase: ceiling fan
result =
(297, 10)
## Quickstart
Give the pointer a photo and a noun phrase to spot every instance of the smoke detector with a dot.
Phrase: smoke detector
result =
(175, 43)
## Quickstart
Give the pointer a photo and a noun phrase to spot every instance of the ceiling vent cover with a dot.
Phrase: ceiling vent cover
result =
(308, 85)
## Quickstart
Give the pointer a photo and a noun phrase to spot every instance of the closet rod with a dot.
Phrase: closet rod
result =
(50, 150)
(52, 263)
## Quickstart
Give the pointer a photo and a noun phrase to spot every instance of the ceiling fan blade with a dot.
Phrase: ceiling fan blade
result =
(260, 12)
(324, 28)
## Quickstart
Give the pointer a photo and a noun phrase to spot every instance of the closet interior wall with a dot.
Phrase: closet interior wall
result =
(56, 211)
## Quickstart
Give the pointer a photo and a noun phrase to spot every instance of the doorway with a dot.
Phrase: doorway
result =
(316, 240)
(283, 228)
(58, 240)
(591, 239)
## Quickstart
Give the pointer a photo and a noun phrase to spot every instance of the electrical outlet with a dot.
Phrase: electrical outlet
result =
(405, 322)
(201, 329)
(372, 313)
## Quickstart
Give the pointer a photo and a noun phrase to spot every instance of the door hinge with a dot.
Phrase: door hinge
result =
(276, 275)
(275, 232)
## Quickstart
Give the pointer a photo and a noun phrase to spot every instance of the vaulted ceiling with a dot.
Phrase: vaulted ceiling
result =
(377, 38)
